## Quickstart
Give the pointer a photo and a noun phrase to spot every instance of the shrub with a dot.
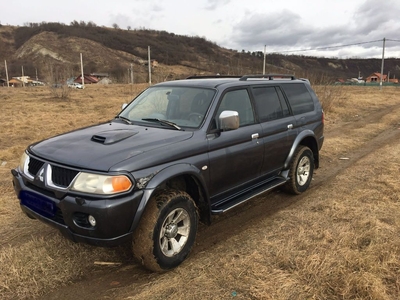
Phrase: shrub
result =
(59, 91)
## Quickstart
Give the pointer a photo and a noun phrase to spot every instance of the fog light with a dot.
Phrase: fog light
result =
(92, 220)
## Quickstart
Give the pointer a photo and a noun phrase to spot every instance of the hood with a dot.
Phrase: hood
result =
(102, 146)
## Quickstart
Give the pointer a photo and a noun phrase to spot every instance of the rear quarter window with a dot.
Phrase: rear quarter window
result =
(299, 98)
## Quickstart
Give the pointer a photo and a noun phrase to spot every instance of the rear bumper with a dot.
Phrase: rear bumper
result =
(114, 217)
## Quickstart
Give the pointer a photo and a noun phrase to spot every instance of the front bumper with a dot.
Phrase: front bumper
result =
(114, 217)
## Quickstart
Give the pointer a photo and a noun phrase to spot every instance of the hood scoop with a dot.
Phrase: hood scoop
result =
(112, 136)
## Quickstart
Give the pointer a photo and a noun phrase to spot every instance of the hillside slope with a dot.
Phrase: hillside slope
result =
(53, 50)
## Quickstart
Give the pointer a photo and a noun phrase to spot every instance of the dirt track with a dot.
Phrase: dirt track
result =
(129, 280)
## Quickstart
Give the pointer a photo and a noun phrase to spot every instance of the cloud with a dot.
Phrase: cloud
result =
(122, 20)
(214, 4)
(140, 16)
(377, 20)
(157, 8)
(286, 30)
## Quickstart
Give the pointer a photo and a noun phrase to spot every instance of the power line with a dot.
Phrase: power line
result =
(332, 47)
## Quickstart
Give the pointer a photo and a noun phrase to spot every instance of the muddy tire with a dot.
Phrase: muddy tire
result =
(301, 171)
(166, 231)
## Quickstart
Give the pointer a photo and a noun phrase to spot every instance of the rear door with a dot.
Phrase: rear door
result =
(277, 124)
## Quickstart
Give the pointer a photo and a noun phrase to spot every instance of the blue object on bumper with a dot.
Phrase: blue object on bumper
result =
(114, 216)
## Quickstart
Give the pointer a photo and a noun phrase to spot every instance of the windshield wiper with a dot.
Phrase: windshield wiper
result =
(124, 119)
(163, 122)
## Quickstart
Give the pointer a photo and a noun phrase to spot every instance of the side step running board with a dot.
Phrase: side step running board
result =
(219, 208)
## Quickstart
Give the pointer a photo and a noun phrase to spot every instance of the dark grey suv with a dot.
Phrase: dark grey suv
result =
(178, 153)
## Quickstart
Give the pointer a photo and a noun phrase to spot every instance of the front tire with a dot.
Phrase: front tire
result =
(300, 171)
(166, 231)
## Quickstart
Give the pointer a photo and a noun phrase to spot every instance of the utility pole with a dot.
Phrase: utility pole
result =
(82, 76)
(23, 77)
(148, 50)
(5, 64)
(132, 73)
(265, 55)
(383, 61)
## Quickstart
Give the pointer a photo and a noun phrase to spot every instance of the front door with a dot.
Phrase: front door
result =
(236, 156)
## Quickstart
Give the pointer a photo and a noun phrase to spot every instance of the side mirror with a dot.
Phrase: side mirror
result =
(124, 105)
(228, 120)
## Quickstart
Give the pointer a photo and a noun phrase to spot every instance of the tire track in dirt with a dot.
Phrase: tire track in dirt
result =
(373, 117)
(104, 283)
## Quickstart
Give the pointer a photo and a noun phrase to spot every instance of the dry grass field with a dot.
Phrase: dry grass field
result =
(339, 240)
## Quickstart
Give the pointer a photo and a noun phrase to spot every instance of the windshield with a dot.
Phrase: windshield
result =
(181, 106)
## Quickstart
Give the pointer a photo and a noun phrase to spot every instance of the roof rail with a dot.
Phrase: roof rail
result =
(268, 76)
(212, 76)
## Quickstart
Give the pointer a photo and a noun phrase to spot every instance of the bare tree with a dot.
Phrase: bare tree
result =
(115, 26)
(55, 76)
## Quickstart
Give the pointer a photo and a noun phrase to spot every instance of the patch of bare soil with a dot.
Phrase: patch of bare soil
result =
(338, 240)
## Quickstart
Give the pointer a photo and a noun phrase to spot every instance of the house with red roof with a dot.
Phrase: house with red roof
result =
(87, 79)
(376, 77)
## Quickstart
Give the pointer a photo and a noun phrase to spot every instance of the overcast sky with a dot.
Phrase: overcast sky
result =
(282, 26)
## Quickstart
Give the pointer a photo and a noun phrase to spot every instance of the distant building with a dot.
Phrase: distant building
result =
(24, 81)
(87, 79)
(93, 78)
(376, 77)
(14, 82)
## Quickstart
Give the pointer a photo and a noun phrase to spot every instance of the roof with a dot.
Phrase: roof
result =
(86, 77)
(14, 80)
(377, 74)
(99, 74)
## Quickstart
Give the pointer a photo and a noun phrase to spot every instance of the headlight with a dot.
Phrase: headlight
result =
(23, 162)
(101, 184)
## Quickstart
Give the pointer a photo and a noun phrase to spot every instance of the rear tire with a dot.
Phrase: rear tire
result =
(166, 231)
(300, 171)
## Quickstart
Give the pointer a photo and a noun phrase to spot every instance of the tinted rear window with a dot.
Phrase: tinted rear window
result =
(299, 98)
(268, 104)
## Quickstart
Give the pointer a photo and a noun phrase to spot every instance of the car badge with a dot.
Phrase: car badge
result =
(40, 176)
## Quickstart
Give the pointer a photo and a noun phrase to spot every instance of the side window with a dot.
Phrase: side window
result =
(239, 101)
(285, 108)
(299, 98)
(269, 106)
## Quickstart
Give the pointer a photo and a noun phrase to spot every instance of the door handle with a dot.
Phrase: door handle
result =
(290, 126)
(254, 136)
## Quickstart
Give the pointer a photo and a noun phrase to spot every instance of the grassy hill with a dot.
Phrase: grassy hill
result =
(53, 51)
